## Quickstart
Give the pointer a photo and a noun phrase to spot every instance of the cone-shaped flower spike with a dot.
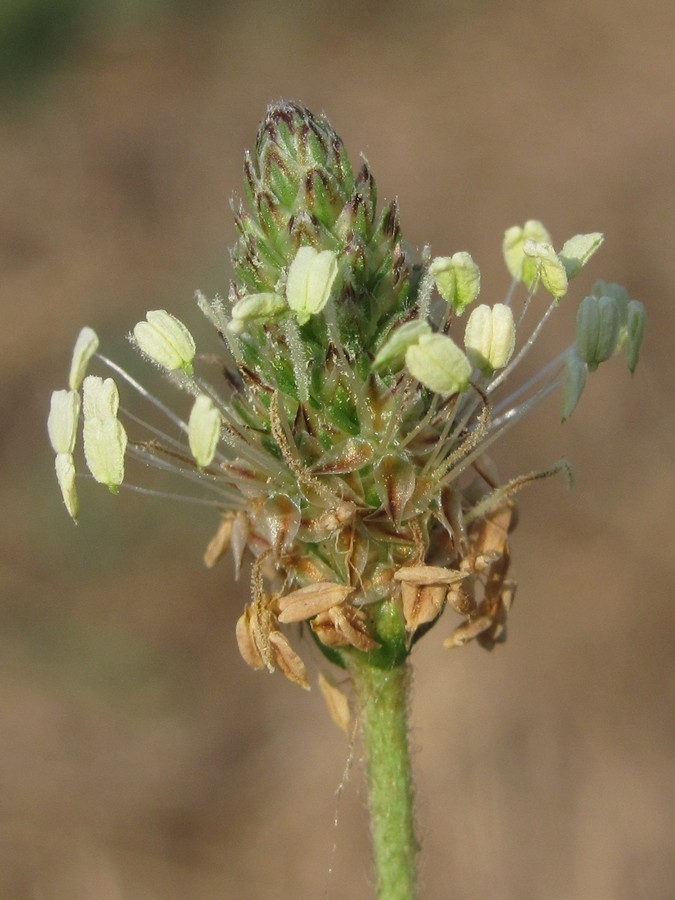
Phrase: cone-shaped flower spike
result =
(344, 446)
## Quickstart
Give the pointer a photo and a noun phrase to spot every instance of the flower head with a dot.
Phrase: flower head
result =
(345, 450)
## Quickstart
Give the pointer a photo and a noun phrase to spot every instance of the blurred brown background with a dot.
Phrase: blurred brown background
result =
(139, 757)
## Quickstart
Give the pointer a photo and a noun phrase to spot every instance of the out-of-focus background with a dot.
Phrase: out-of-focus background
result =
(139, 757)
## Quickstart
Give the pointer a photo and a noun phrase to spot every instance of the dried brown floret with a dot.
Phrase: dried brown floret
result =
(421, 603)
(220, 542)
(343, 626)
(287, 660)
(310, 600)
(428, 575)
(245, 642)
(336, 701)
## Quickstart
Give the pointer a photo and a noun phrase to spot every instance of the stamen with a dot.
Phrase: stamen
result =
(156, 402)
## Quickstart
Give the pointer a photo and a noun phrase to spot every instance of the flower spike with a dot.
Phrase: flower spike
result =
(338, 442)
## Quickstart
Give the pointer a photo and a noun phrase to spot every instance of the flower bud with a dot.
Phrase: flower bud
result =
(519, 265)
(598, 329)
(166, 341)
(256, 309)
(204, 430)
(578, 250)
(636, 321)
(310, 280)
(391, 354)
(65, 475)
(549, 268)
(85, 347)
(457, 279)
(489, 337)
(64, 411)
(437, 362)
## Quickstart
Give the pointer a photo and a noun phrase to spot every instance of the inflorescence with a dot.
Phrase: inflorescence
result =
(345, 447)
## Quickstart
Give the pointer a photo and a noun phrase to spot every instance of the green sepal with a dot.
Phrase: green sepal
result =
(342, 412)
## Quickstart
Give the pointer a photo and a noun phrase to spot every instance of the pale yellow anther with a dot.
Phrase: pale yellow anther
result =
(310, 280)
(457, 279)
(105, 439)
(85, 347)
(549, 268)
(490, 337)
(65, 475)
(105, 442)
(256, 309)
(578, 250)
(101, 398)
(166, 341)
(519, 265)
(204, 430)
(64, 411)
(391, 354)
(438, 363)
(636, 322)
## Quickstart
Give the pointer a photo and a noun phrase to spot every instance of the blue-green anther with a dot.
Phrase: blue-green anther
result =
(598, 329)
(636, 321)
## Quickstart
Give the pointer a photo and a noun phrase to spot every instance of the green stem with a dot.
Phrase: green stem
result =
(383, 696)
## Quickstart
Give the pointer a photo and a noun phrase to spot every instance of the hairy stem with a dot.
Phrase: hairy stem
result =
(383, 708)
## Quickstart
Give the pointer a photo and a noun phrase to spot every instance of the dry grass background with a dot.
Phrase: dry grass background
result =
(140, 758)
